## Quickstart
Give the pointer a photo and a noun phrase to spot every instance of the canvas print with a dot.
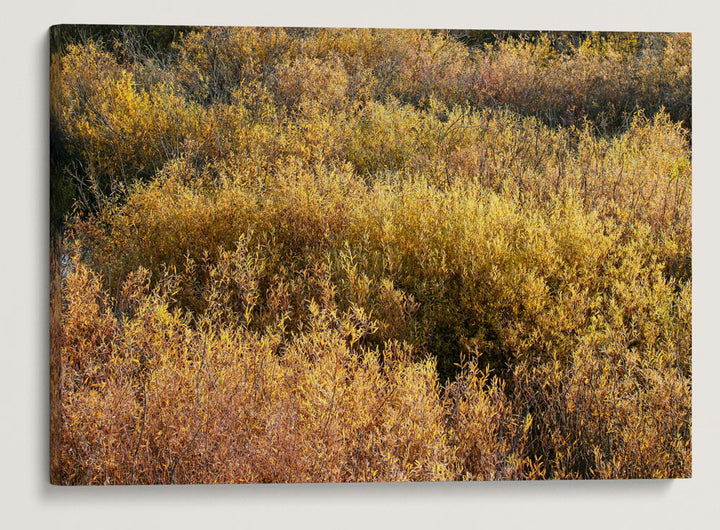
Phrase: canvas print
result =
(342, 255)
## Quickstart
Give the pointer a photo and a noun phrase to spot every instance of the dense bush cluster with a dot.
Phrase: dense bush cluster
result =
(353, 255)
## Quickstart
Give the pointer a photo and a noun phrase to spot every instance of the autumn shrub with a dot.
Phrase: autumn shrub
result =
(489, 433)
(220, 404)
(311, 82)
(421, 92)
(600, 78)
(213, 62)
(119, 131)
(608, 415)
(648, 165)
(150, 397)
(474, 268)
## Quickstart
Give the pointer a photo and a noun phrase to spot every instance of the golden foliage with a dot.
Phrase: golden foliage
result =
(353, 255)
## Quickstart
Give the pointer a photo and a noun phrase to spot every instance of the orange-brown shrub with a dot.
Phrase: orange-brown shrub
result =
(618, 411)
(169, 401)
(212, 403)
